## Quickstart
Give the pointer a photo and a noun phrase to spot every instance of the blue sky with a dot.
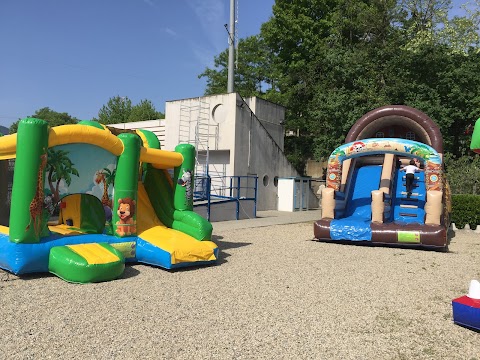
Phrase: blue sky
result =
(74, 55)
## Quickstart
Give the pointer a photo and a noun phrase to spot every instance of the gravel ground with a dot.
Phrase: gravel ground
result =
(275, 294)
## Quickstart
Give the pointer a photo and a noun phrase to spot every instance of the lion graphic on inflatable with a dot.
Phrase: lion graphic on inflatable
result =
(125, 212)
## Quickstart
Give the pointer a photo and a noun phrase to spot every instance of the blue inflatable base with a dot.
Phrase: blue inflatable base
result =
(33, 258)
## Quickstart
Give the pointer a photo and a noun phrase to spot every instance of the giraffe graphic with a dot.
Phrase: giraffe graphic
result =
(100, 177)
(36, 206)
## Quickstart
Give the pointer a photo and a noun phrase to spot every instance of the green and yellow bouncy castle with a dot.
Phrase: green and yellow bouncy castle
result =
(85, 199)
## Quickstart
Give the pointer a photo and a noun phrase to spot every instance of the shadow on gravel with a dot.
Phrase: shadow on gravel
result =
(368, 244)
(224, 245)
(469, 328)
(129, 272)
(7, 276)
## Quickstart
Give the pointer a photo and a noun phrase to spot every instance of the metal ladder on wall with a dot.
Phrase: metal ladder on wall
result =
(195, 128)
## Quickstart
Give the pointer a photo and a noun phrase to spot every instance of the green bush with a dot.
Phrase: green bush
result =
(465, 210)
(463, 174)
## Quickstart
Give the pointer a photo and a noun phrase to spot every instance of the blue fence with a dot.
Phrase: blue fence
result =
(211, 189)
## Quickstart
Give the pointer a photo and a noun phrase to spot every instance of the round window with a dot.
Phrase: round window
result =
(265, 180)
(219, 113)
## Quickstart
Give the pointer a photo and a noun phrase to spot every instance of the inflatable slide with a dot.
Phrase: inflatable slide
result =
(365, 198)
(84, 199)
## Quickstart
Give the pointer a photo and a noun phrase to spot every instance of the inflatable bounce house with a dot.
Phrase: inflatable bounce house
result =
(84, 199)
(365, 198)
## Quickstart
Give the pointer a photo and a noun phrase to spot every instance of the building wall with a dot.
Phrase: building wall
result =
(221, 121)
(246, 138)
(316, 169)
(272, 117)
(250, 131)
(155, 126)
(257, 153)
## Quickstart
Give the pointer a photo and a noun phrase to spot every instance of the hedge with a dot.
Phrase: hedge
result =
(465, 210)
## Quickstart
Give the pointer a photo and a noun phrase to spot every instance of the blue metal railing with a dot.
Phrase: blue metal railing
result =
(210, 188)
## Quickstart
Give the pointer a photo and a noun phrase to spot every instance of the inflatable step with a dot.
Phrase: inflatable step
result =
(413, 194)
(408, 199)
(86, 263)
(408, 214)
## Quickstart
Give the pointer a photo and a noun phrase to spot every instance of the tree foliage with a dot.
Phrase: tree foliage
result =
(252, 75)
(144, 111)
(331, 61)
(52, 117)
(429, 22)
(463, 174)
(119, 109)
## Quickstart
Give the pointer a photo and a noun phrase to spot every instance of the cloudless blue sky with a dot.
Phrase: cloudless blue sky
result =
(74, 55)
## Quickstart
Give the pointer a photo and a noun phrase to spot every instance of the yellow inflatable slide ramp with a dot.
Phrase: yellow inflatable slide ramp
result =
(64, 229)
(164, 246)
(86, 263)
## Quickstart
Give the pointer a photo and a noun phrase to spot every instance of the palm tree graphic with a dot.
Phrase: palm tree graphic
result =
(59, 166)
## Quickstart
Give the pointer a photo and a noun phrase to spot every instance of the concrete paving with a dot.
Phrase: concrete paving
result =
(268, 218)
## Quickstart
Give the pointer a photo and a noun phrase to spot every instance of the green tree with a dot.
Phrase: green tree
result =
(120, 110)
(443, 85)
(331, 61)
(52, 117)
(429, 22)
(144, 111)
(366, 61)
(338, 72)
(117, 110)
(463, 174)
(253, 73)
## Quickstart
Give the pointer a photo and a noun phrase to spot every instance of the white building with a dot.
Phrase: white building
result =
(234, 136)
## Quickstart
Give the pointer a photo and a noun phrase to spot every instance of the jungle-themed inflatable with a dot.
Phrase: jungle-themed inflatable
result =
(84, 199)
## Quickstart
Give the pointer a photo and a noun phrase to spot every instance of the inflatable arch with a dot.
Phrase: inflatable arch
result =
(390, 115)
(408, 148)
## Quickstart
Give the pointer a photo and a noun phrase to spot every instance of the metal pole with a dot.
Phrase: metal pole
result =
(231, 48)
(209, 199)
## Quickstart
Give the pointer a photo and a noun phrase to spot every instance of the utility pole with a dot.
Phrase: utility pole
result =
(231, 48)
